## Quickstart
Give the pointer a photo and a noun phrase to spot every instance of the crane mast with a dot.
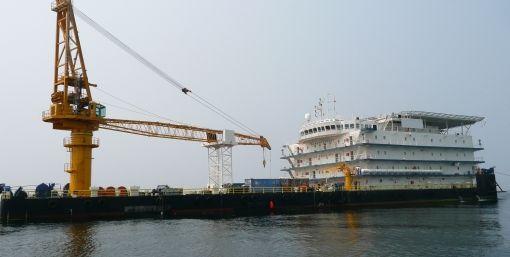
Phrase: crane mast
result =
(72, 108)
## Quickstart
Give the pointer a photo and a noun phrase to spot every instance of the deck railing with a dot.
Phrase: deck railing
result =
(130, 192)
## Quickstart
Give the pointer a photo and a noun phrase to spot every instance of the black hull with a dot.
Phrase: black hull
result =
(231, 205)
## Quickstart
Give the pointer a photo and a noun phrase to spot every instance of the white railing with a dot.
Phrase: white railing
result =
(46, 114)
(131, 192)
(68, 141)
(479, 159)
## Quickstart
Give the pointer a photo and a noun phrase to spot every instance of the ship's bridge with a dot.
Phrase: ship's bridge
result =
(332, 127)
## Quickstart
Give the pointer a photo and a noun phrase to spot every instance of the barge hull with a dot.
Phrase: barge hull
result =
(230, 205)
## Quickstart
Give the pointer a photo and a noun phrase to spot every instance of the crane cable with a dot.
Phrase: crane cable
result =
(140, 110)
(197, 98)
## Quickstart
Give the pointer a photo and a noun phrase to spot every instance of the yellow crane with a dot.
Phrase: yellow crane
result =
(348, 174)
(73, 109)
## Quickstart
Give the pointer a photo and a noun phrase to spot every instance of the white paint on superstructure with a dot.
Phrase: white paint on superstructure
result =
(414, 143)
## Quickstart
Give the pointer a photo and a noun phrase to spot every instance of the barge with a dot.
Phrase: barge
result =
(234, 203)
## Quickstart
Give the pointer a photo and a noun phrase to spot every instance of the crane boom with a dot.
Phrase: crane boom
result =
(178, 131)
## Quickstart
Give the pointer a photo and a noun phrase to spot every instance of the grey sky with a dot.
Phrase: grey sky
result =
(265, 63)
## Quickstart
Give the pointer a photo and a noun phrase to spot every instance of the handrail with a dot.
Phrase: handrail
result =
(134, 191)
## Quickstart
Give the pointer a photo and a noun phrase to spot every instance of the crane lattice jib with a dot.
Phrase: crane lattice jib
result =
(177, 131)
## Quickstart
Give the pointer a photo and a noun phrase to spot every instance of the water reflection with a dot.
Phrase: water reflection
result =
(80, 239)
(458, 230)
(352, 223)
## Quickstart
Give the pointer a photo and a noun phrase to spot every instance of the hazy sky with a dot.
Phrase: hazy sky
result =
(265, 63)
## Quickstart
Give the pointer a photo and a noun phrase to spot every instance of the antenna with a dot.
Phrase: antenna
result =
(332, 104)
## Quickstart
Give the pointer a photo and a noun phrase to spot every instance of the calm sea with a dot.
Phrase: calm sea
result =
(457, 230)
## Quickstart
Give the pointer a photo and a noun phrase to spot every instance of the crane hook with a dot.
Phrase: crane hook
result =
(264, 157)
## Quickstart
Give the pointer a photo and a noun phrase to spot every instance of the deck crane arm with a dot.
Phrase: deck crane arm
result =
(218, 142)
(178, 131)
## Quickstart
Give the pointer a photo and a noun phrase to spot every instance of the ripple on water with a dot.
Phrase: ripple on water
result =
(432, 231)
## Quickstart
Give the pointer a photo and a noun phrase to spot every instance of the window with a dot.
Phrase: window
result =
(378, 152)
(375, 137)
(405, 138)
(357, 126)
(413, 153)
(432, 140)
(405, 153)
(384, 137)
(328, 128)
(432, 153)
(440, 154)
(352, 125)
(414, 139)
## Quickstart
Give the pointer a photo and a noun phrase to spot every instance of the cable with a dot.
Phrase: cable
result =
(160, 72)
(147, 113)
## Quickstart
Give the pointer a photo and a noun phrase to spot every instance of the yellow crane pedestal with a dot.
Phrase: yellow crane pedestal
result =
(80, 146)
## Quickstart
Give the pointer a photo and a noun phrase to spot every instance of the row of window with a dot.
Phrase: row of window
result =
(431, 153)
(334, 127)
(431, 140)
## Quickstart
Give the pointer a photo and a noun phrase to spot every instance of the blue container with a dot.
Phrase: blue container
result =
(262, 182)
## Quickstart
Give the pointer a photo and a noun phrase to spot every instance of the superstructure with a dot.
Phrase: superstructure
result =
(409, 149)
